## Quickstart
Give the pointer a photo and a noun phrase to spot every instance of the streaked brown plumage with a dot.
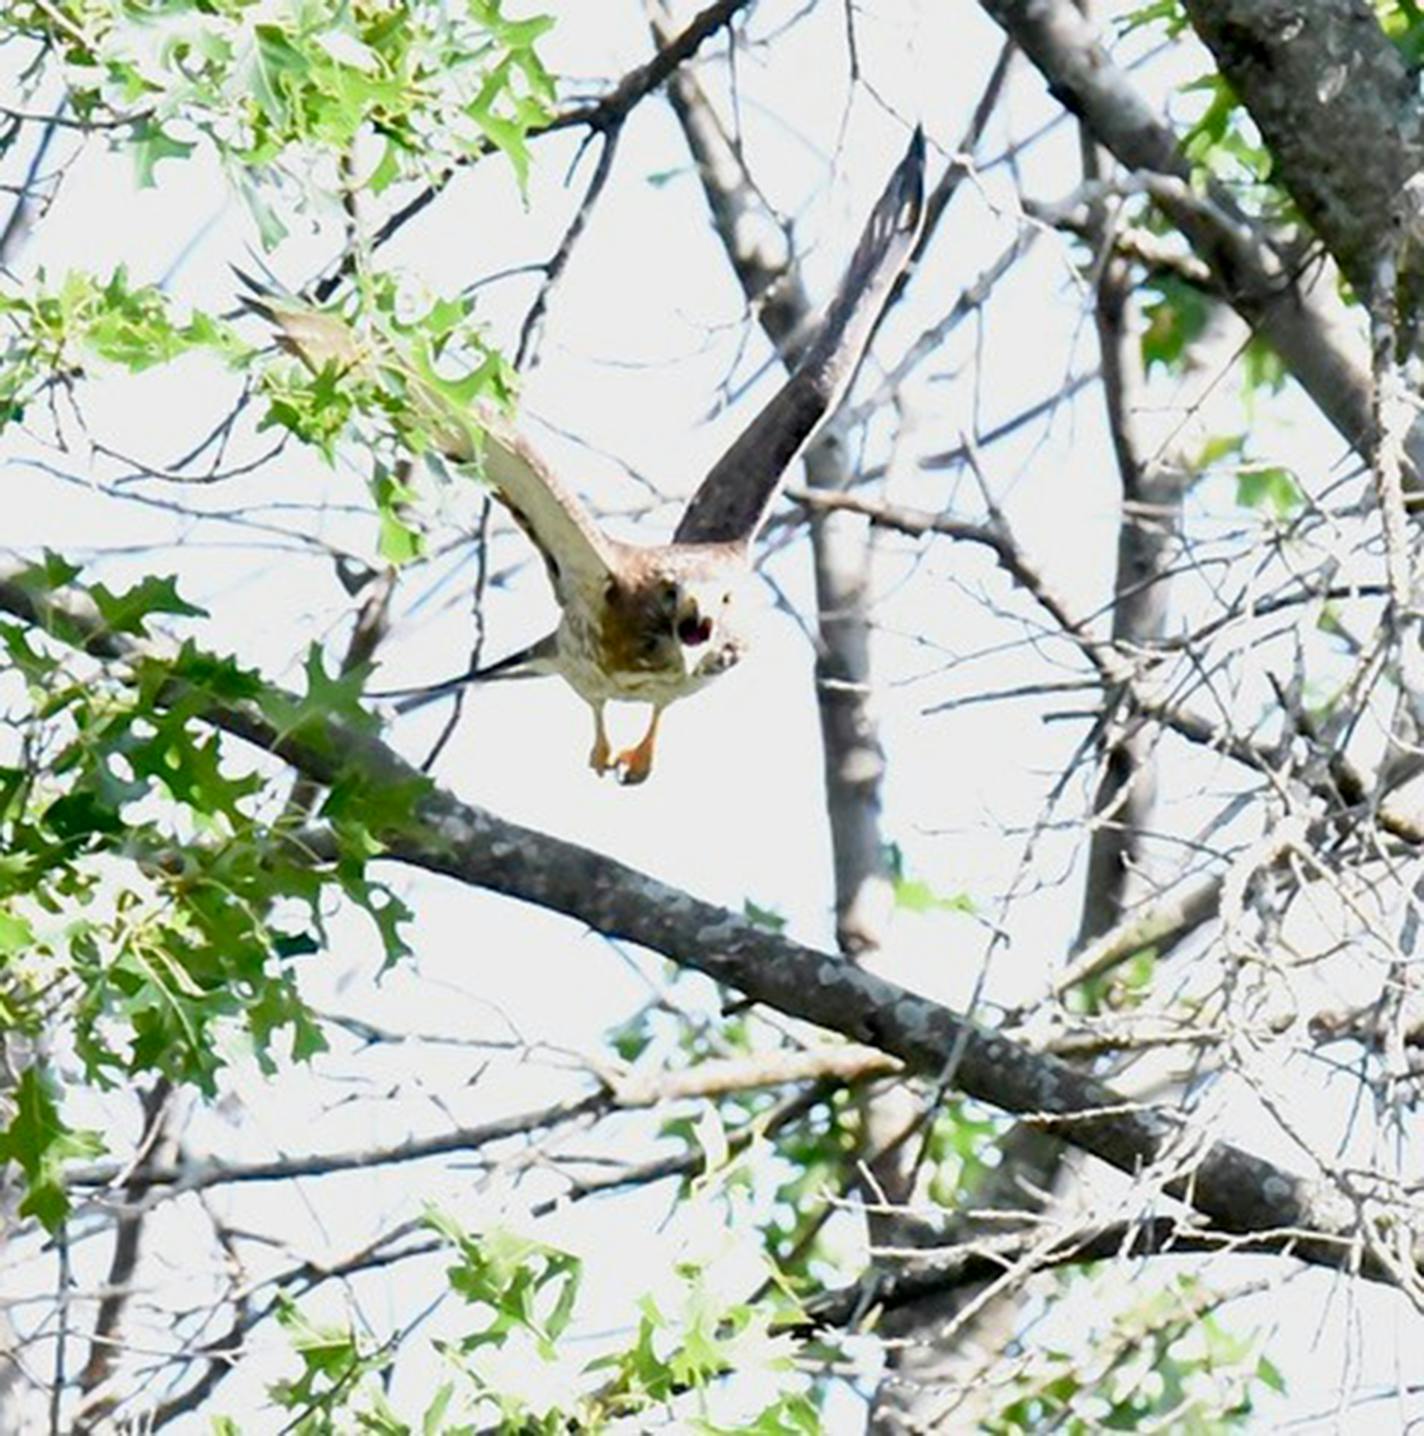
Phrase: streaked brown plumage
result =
(644, 623)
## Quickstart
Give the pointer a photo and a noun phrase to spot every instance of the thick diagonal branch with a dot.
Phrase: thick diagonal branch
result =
(1239, 1192)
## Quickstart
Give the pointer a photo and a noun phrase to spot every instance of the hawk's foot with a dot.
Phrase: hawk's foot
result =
(600, 757)
(634, 764)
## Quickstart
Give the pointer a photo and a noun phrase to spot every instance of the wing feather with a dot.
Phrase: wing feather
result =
(573, 546)
(731, 502)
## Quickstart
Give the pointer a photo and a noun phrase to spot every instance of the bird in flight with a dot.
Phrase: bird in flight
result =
(639, 623)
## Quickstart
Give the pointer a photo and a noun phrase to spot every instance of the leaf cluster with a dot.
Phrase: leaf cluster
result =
(53, 331)
(402, 92)
(1162, 1361)
(152, 892)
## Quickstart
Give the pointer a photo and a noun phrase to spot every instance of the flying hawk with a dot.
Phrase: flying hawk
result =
(642, 623)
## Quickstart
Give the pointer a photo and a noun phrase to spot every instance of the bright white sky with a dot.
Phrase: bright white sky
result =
(642, 332)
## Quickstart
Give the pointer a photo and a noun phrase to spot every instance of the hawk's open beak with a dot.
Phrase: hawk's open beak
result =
(692, 630)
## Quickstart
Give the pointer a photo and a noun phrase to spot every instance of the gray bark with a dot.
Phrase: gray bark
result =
(1336, 104)
(1300, 316)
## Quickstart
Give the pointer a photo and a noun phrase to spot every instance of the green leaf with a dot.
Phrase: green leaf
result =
(150, 143)
(1215, 449)
(1270, 487)
(332, 1361)
(1262, 368)
(1175, 321)
(330, 697)
(52, 574)
(36, 666)
(391, 916)
(277, 65)
(1269, 1373)
(509, 137)
(763, 917)
(399, 543)
(39, 1143)
(387, 170)
(631, 1039)
(1404, 24)
(271, 228)
(433, 1423)
(190, 767)
(521, 1282)
(1170, 14)
(128, 611)
(16, 935)
(793, 1414)
(293, 944)
(915, 895)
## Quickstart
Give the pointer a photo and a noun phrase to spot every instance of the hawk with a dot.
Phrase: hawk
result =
(642, 623)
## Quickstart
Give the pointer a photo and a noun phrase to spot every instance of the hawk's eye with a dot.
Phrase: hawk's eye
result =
(692, 631)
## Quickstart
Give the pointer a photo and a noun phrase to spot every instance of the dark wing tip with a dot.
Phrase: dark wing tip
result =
(911, 177)
(256, 296)
(732, 500)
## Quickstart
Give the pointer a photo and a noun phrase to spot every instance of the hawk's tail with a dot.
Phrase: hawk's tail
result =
(536, 661)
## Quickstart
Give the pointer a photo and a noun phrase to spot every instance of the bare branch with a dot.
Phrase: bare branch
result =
(1238, 1191)
(600, 114)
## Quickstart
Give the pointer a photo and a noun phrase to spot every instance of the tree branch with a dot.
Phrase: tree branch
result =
(1238, 1191)
(1302, 321)
(1336, 104)
(840, 1063)
(890, 1286)
(601, 114)
(196, 1176)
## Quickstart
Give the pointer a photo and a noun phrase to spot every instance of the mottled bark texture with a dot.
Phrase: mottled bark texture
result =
(1235, 1189)
(1297, 312)
(1336, 104)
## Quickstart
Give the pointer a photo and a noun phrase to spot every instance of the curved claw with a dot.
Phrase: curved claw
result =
(633, 766)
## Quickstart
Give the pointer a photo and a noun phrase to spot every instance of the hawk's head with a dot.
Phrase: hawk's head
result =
(703, 614)
(682, 615)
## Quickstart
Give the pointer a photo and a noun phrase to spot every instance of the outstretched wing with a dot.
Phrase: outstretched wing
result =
(732, 500)
(560, 527)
